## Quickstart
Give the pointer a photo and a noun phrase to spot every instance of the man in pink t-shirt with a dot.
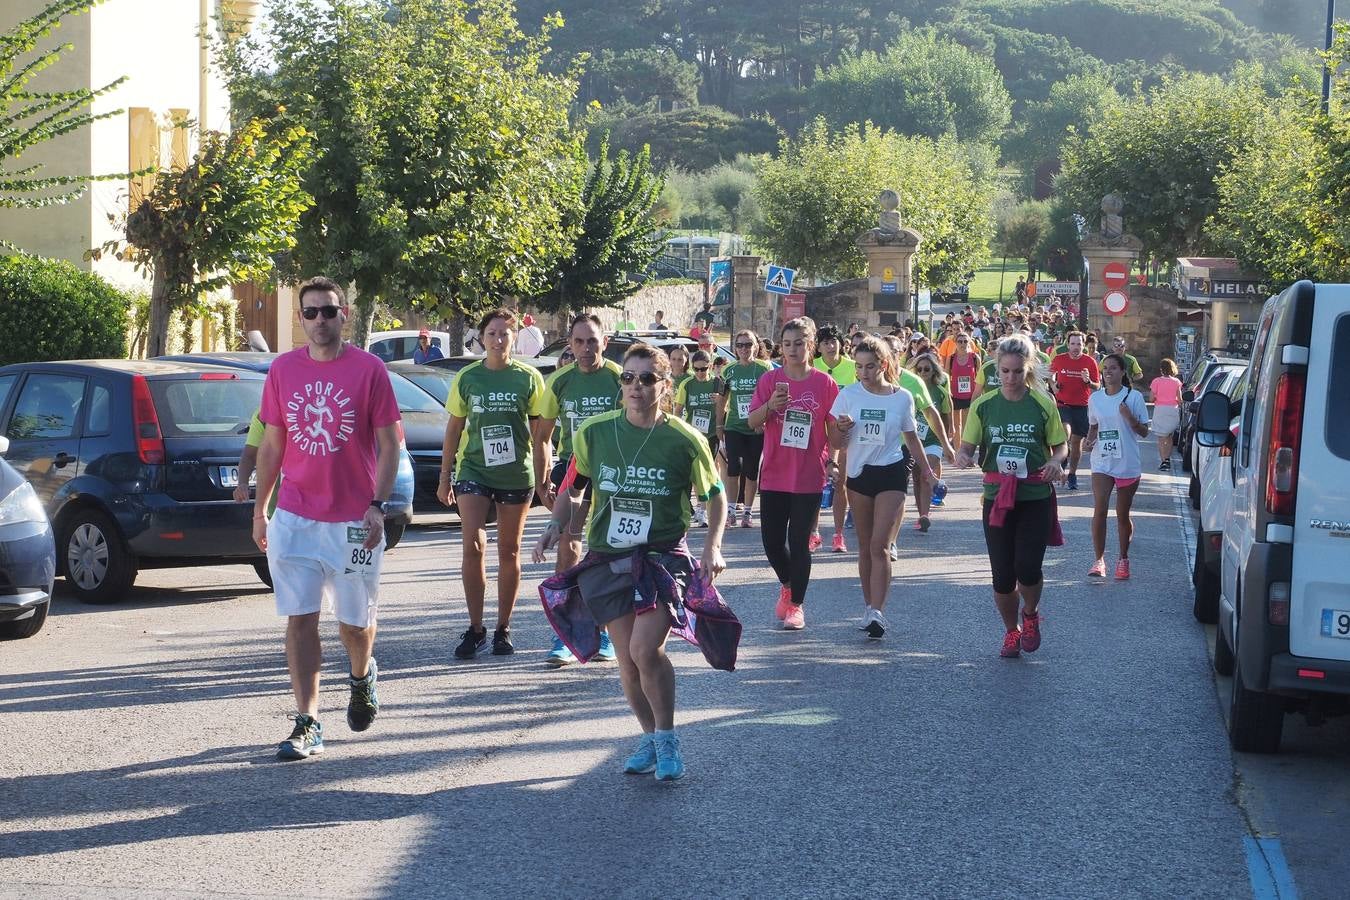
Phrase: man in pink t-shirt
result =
(332, 429)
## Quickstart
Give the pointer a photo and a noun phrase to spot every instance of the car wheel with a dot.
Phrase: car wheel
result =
(1206, 605)
(97, 565)
(26, 628)
(1255, 719)
(393, 533)
(264, 571)
(1223, 654)
(1186, 457)
(1194, 491)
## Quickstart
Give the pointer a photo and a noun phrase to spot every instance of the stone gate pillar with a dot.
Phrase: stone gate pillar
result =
(890, 250)
(1107, 245)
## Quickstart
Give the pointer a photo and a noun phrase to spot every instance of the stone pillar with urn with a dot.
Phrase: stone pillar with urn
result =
(890, 249)
(1110, 244)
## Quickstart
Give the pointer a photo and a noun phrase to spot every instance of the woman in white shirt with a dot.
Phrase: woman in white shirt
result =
(1117, 417)
(874, 421)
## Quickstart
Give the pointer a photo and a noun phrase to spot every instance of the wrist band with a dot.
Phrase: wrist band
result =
(256, 517)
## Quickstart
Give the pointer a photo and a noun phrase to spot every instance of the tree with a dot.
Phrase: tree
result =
(820, 193)
(922, 85)
(617, 235)
(222, 219)
(640, 77)
(446, 167)
(1021, 230)
(31, 118)
(1162, 151)
(1073, 104)
(696, 138)
(56, 311)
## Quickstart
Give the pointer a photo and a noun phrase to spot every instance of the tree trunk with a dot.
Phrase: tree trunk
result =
(157, 340)
(456, 331)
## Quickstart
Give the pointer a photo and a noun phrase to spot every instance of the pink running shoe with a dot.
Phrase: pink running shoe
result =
(746, 520)
(795, 620)
(784, 602)
(1122, 570)
(813, 544)
(1098, 569)
(1031, 632)
(839, 546)
(1012, 644)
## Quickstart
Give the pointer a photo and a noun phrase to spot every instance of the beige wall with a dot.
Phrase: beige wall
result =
(154, 43)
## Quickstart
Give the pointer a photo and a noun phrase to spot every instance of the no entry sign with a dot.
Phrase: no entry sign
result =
(1114, 275)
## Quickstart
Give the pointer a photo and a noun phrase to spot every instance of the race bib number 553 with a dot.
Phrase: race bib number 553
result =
(630, 522)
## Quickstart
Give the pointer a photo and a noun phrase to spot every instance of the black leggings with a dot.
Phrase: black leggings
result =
(1017, 548)
(785, 524)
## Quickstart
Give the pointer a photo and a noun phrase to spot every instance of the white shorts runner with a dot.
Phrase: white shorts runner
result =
(323, 561)
(1165, 420)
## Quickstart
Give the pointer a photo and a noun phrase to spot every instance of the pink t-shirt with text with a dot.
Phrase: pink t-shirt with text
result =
(785, 468)
(1166, 391)
(330, 411)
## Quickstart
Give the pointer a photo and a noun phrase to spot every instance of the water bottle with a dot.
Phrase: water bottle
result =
(827, 496)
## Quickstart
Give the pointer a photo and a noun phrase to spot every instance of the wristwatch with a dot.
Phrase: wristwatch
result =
(381, 505)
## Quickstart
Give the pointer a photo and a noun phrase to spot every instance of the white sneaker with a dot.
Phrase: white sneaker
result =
(894, 553)
(874, 624)
(701, 519)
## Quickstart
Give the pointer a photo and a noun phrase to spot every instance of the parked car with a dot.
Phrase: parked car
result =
(620, 342)
(1284, 594)
(1192, 389)
(1226, 379)
(27, 555)
(129, 459)
(392, 346)
(545, 364)
(435, 380)
(1213, 477)
(399, 509)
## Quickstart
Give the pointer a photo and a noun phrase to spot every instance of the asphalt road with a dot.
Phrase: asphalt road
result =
(138, 745)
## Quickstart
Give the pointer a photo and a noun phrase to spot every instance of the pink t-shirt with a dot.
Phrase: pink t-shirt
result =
(1166, 391)
(795, 463)
(330, 411)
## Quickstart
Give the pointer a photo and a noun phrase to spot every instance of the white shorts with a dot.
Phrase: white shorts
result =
(1165, 420)
(935, 452)
(313, 562)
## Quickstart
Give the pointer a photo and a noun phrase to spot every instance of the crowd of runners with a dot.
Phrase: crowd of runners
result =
(628, 456)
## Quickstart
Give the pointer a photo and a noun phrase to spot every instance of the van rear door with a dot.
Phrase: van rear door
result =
(1320, 591)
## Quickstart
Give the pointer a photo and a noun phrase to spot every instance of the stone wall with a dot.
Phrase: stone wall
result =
(839, 303)
(679, 302)
(1149, 326)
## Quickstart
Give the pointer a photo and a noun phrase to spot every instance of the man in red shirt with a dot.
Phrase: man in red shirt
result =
(1074, 376)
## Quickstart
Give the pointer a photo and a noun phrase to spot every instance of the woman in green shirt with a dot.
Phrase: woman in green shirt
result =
(696, 403)
(928, 494)
(487, 441)
(742, 446)
(1019, 429)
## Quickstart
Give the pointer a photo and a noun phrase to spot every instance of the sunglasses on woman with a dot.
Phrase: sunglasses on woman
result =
(700, 368)
(743, 345)
(924, 370)
(312, 312)
(646, 379)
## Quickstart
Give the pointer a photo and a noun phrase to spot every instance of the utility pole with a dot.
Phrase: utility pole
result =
(1326, 64)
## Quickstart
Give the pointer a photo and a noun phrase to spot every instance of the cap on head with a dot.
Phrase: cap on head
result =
(528, 320)
(424, 333)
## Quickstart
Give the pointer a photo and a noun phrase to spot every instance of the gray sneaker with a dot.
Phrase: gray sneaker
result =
(305, 741)
(874, 624)
(365, 702)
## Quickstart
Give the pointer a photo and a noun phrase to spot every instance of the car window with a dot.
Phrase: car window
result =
(1338, 424)
(1254, 385)
(412, 398)
(435, 384)
(6, 385)
(387, 349)
(99, 420)
(202, 407)
(47, 407)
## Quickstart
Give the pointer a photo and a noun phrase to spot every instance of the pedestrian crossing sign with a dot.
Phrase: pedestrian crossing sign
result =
(779, 280)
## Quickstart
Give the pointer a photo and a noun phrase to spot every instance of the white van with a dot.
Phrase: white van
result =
(395, 345)
(1284, 602)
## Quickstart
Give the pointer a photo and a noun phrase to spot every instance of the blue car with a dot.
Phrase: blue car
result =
(27, 556)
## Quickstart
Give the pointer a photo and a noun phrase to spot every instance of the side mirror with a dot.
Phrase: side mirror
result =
(1188, 396)
(4, 445)
(1213, 420)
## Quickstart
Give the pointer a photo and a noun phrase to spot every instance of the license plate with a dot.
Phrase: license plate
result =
(229, 476)
(1336, 623)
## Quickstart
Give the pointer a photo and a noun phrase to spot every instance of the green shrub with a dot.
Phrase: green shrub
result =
(49, 309)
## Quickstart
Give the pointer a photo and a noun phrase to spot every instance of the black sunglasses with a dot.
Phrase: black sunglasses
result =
(646, 379)
(744, 345)
(924, 371)
(312, 312)
(700, 368)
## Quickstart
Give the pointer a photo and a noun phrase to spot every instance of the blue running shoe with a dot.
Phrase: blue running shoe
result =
(937, 503)
(643, 760)
(669, 765)
(1073, 481)
(606, 652)
(559, 656)
(939, 492)
(848, 518)
(305, 741)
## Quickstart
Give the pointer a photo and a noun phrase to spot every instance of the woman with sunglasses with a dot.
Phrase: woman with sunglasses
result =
(962, 367)
(792, 405)
(696, 403)
(742, 444)
(874, 420)
(928, 494)
(1116, 416)
(639, 574)
(487, 441)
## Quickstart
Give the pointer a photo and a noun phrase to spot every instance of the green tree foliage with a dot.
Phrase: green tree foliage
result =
(696, 138)
(222, 219)
(1073, 104)
(30, 118)
(641, 77)
(56, 311)
(446, 169)
(1020, 232)
(921, 85)
(1162, 151)
(820, 193)
(616, 235)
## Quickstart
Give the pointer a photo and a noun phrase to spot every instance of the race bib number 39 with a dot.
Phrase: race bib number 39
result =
(871, 426)
(1012, 460)
(499, 445)
(796, 429)
(361, 561)
(630, 522)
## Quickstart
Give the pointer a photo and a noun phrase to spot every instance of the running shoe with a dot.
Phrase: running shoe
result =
(746, 520)
(559, 656)
(1012, 644)
(1031, 632)
(936, 503)
(606, 652)
(784, 602)
(848, 518)
(876, 624)
(669, 764)
(1165, 466)
(814, 542)
(939, 492)
(643, 759)
(838, 545)
(306, 739)
(734, 511)
(1122, 570)
(924, 523)
(1098, 569)
(701, 519)
(1073, 481)
(894, 552)
(470, 643)
(795, 620)
(501, 642)
(364, 704)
